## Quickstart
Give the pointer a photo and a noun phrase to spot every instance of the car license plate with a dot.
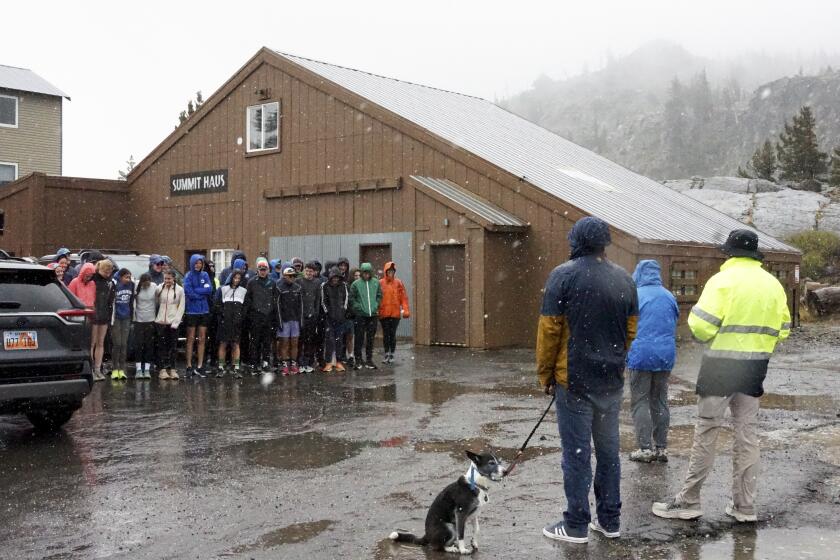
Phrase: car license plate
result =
(20, 340)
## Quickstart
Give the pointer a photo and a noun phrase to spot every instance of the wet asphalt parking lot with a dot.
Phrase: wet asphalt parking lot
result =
(325, 466)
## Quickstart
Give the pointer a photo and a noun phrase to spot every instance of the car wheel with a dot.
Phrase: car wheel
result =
(49, 419)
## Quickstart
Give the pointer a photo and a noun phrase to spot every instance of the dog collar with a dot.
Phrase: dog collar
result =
(473, 477)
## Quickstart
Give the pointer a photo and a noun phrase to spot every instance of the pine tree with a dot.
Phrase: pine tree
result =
(799, 154)
(764, 161)
(675, 126)
(130, 164)
(834, 177)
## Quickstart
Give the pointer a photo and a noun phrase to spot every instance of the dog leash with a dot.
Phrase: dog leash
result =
(524, 445)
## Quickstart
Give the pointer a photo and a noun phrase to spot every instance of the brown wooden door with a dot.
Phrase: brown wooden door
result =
(449, 296)
(377, 255)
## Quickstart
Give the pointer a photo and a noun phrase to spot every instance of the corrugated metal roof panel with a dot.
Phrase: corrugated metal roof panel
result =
(628, 201)
(470, 201)
(21, 79)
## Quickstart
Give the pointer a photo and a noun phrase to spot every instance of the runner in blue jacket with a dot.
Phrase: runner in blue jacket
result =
(650, 361)
(197, 288)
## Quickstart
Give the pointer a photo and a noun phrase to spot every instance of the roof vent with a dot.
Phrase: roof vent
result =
(263, 93)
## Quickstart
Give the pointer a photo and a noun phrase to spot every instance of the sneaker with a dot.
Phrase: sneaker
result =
(675, 510)
(560, 532)
(173, 374)
(643, 456)
(370, 365)
(339, 368)
(309, 369)
(329, 367)
(163, 374)
(255, 370)
(220, 373)
(350, 362)
(98, 375)
(740, 517)
(662, 454)
(188, 372)
(199, 372)
(294, 369)
(357, 365)
(115, 374)
(284, 369)
(595, 526)
(237, 373)
(266, 367)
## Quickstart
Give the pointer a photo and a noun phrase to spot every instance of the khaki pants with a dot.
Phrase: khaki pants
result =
(710, 413)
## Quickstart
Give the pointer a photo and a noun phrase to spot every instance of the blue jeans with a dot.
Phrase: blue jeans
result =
(582, 420)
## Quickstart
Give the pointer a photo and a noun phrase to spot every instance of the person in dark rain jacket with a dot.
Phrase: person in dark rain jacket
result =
(310, 286)
(260, 309)
(587, 323)
(226, 272)
(335, 299)
(650, 361)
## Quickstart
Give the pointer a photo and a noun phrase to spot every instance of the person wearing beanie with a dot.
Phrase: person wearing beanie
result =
(310, 287)
(365, 297)
(298, 264)
(289, 318)
(587, 323)
(121, 322)
(260, 310)
(394, 306)
(335, 300)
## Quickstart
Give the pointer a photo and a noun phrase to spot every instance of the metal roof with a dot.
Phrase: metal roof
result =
(628, 201)
(484, 209)
(21, 79)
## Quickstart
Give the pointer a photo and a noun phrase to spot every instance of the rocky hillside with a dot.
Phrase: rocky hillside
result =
(664, 112)
(773, 209)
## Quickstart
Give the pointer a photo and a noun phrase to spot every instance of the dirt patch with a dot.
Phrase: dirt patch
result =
(811, 403)
(403, 500)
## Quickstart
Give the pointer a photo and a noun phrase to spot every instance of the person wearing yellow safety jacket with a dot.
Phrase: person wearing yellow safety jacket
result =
(742, 314)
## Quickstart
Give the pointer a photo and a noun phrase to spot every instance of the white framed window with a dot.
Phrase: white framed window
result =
(8, 111)
(262, 127)
(222, 258)
(8, 172)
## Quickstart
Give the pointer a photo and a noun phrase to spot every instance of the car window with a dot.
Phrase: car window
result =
(31, 291)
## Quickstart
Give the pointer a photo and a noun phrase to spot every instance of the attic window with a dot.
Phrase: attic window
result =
(263, 127)
(8, 172)
(8, 111)
(684, 279)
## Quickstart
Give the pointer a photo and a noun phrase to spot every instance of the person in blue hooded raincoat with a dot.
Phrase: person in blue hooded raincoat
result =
(197, 289)
(650, 361)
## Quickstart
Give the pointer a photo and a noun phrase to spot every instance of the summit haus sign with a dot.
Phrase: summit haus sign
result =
(200, 182)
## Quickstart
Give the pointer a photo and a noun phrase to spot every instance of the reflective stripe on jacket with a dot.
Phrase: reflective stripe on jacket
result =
(743, 313)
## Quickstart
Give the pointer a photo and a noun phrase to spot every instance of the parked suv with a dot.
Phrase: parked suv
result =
(45, 367)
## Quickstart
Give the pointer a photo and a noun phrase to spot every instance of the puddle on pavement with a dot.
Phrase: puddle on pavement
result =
(456, 448)
(297, 452)
(436, 392)
(380, 393)
(680, 438)
(291, 534)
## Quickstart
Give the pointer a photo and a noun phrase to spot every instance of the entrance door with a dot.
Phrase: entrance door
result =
(377, 255)
(449, 296)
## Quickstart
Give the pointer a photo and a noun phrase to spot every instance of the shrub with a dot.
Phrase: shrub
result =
(820, 252)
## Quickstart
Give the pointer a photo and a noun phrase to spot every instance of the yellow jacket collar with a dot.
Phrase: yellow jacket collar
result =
(739, 262)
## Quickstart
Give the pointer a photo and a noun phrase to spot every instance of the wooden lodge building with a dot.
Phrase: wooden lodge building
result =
(293, 157)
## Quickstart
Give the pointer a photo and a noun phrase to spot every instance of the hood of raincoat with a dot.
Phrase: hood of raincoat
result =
(589, 235)
(647, 273)
(87, 272)
(334, 272)
(272, 273)
(194, 259)
(367, 267)
(237, 255)
(389, 266)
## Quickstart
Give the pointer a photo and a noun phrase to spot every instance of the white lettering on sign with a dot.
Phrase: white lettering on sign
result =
(201, 182)
(450, 268)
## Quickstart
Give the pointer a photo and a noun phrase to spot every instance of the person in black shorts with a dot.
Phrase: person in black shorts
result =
(232, 300)
(197, 289)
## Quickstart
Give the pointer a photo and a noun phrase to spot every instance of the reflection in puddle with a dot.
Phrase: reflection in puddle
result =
(296, 533)
(436, 392)
(310, 450)
(381, 393)
(814, 403)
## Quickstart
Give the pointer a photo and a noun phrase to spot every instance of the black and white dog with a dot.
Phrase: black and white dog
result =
(456, 506)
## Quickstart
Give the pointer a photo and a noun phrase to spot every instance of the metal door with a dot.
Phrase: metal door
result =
(449, 296)
(377, 255)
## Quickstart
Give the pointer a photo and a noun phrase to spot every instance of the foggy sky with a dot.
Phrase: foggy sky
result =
(131, 70)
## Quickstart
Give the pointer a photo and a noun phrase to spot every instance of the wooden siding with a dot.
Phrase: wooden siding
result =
(43, 213)
(330, 138)
(35, 145)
